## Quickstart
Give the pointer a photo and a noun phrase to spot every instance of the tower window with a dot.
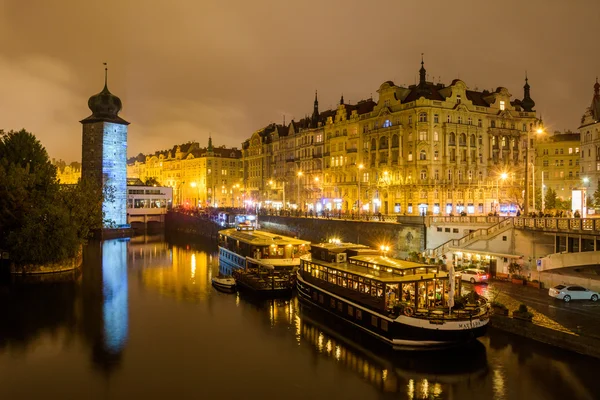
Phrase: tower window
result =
(502, 105)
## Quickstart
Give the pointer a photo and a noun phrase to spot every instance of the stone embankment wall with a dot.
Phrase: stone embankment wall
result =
(402, 238)
(187, 224)
(578, 343)
(29, 269)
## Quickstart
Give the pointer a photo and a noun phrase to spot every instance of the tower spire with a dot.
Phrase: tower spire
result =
(314, 122)
(342, 99)
(422, 72)
(106, 75)
(210, 145)
(527, 102)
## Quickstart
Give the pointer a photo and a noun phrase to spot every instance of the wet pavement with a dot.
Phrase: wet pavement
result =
(582, 317)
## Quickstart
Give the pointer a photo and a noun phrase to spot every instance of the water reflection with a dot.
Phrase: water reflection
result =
(105, 300)
(428, 375)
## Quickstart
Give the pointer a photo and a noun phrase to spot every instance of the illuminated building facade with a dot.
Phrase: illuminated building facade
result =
(67, 174)
(104, 154)
(199, 176)
(557, 163)
(590, 144)
(428, 148)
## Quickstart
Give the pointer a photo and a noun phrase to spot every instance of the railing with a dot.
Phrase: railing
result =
(559, 224)
(483, 219)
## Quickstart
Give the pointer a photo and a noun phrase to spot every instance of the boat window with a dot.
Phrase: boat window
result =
(384, 325)
(332, 303)
(359, 314)
(351, 311)
(392, 296)
(373, 320)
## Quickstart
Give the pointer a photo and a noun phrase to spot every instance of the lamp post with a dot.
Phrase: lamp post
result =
(360, 167)
(502, 177)
(526, 209)
(195, 185)
(298, 195)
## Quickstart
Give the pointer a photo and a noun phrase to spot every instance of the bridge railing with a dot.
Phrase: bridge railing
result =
(470, 219)
(560, 224)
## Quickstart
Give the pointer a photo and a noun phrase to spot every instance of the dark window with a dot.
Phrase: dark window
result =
(439, 229)
(359, 314)
(340, 306)
(332, 302)
(373, 320)
(447, 230)
(454, 230)
(384, 325)
(351, 311)
(504, 238)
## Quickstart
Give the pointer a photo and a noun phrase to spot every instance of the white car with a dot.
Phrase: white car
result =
(474, 275)
(572, 292)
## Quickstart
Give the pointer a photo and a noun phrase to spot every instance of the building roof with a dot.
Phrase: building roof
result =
(262, 238)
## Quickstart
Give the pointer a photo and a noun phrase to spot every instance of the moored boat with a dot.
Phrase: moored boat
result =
(405, 304)
(225, 283)
(261, 261)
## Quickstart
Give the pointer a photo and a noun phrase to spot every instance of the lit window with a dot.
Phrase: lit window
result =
(436, 118)
(387, 123)
(410, 156)
(502, 105)
(423, 135)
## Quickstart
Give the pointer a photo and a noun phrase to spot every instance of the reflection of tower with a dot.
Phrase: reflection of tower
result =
(104, 153)
(105, 305)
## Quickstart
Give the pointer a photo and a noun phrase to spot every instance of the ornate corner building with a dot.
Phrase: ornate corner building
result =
(426, 148)
(590, 143)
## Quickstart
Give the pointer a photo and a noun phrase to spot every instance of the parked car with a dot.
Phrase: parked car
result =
(474, 275)
(567, 293)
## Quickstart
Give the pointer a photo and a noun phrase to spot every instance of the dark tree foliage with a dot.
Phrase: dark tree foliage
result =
(152, 181)
(40, 220)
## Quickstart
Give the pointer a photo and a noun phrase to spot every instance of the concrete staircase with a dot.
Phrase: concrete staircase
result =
(472, 237)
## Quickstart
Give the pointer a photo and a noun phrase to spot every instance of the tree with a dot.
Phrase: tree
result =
(550, 199)
(152, 181)
(40, 220)
(596, 197)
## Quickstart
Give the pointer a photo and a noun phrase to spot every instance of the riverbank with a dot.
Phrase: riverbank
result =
(585, 345)
(57, 267)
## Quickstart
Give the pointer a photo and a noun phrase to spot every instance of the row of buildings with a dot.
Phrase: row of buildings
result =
(426, 148)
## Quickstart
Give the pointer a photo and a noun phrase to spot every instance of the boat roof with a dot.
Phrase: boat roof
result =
(380, 275)
(262, 238)
(389, 262)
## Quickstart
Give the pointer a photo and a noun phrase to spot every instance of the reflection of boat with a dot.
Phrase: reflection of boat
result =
(402, 303)
(395, 372)
(225, 283)
(261, 261)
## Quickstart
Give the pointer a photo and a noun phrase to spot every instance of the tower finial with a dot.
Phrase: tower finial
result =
(422, 62)
(342, 99)
(105, 74)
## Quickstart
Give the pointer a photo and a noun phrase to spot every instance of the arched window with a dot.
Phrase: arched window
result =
(452, 139)
(383, 143)
(459, 119)
(410, 119)
(373, 144)
(410, 156)
(395, 141)
(472, 140)
(462, 139)
(423, 174)
(493, 124)
(423, 117)
(436, 155)
(422, 155)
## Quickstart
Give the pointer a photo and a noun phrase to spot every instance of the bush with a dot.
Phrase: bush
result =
(514, 268)
(523, 308)
(498, 305)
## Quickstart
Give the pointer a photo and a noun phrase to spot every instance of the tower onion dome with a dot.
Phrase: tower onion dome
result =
(105, 106)
(527, 103)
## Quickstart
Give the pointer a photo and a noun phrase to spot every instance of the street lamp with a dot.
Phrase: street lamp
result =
(236, 186)
(502, 177)
(538, 131)
(298, 197)
(360, 167)
(195, 185)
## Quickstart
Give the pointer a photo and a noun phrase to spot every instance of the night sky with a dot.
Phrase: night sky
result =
(187, 68)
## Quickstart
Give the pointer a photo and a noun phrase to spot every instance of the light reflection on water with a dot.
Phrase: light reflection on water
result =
(135, 302)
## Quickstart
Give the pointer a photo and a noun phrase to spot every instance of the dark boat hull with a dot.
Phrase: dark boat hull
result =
(401, 336)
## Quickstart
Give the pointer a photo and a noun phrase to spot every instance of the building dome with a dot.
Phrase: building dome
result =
(105, 104)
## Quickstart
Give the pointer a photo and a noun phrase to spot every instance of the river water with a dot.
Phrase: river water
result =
(141, 320)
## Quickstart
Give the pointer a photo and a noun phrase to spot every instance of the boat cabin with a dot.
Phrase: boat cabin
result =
(261, 245)
(379, 282)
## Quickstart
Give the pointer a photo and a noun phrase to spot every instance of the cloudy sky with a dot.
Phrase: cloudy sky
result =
(185, 68)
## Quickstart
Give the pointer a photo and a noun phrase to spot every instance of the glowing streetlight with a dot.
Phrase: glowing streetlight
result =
(195, 185)
(298, 197)
(360, 167)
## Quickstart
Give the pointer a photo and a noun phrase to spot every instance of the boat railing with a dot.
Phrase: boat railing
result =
(468, 312)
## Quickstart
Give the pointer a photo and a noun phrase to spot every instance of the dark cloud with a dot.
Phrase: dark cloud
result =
(187, 68)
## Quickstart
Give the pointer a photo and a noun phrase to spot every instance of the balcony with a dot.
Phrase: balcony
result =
(290, 159)
(353, 150)
(319, 155)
